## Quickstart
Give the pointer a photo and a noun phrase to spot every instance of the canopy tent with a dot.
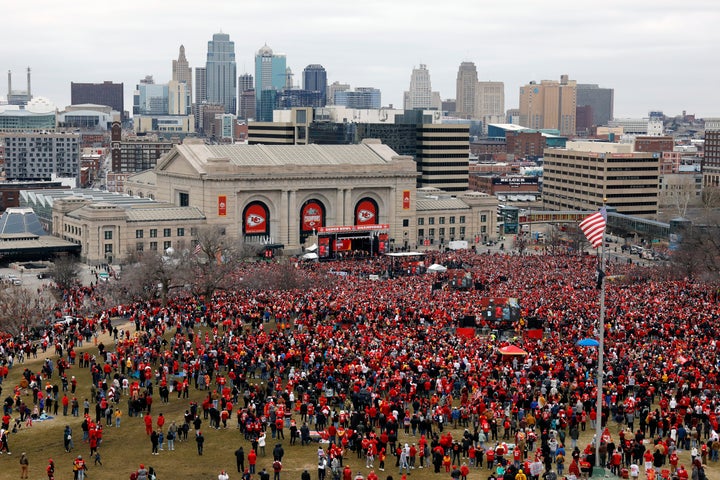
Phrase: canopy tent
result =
(512, 350)
(310, 256)
(405, 254)
(435, 267)
(312, 248)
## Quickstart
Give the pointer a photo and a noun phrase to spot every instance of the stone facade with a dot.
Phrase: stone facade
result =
(108, 233)
(229, 183)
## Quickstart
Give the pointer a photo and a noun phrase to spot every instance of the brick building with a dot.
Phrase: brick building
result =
(524, 144)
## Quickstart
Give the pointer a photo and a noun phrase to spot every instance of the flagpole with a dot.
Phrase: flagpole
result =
(601, 353)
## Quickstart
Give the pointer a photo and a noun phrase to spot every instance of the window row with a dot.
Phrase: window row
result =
(441, 220)
(441, 232)
(153, 232)
(153, 246)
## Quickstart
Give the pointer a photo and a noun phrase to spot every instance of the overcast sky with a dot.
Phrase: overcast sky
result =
(657, 55)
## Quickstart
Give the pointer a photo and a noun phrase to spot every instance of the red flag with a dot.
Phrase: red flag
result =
(594, 227)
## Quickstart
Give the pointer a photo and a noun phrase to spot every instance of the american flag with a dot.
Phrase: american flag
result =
(594, 227)
(197, 250)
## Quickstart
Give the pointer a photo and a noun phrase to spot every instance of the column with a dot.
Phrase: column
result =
(340, 207)
(349, 208)
(282, 221)
(293, 220)
(395, 224)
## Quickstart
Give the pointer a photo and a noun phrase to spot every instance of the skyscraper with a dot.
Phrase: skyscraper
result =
(200, 85)
(270, 77)
(490, 103)
(150, 98)
(600, 99)
(178, 98)
(246, 96)
(181, 72)
(315, 80)
(221, 74)
(549, 105)
(466, 84)
(420, 95)
(245, 82)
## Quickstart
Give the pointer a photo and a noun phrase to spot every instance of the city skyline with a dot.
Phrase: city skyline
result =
(655, 55)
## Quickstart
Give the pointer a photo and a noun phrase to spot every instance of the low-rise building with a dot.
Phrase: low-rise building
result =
(109, 232)
(585, 174)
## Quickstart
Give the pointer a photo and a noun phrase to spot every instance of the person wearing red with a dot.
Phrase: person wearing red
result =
(517, 457)
(464, 471)
(615, 462)
(160, 422)
(673, 462)
(50, 470)
(681, 473)
(648, 458)
(490, 458)
(347, 473)
(148, 424)
(79, 468)
(574, 469)
(252, 460)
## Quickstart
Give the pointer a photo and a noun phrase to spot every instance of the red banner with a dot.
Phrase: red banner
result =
(406, 199)
(222, 205)
(366, 212)
(311, 216)
(256, 221)
(354, 228)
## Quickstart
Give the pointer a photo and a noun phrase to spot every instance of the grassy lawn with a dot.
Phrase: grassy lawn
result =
(124, 448)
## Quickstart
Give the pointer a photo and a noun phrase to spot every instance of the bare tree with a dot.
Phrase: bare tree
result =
(151, 275)
(710, 201)
(283, 275)
(699, 253)
(554, 240)
(213, 263)
(680, 193)
(521, 243)
(65, 271)
(578, 241)
(22, 308)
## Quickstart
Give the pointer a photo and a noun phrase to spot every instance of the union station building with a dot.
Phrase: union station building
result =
(360, 197)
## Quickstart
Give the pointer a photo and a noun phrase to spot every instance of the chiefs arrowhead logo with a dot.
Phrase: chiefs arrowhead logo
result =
(364, 215)
(254, 220)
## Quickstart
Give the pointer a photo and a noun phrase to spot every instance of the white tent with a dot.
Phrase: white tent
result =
(435, 267)
(310, 256)
(312, 248)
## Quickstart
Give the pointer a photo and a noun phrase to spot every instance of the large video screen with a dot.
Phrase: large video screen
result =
(498, 312)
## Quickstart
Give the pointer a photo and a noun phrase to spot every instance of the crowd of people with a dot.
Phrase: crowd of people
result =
(376, 369)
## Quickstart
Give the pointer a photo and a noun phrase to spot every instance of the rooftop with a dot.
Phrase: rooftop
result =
(282, 155)
(440, 203)
(48, 197)
(159, 214)
(20, 221)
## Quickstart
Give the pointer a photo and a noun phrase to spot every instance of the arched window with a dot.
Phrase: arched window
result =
(366, 212)
(256, 219)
